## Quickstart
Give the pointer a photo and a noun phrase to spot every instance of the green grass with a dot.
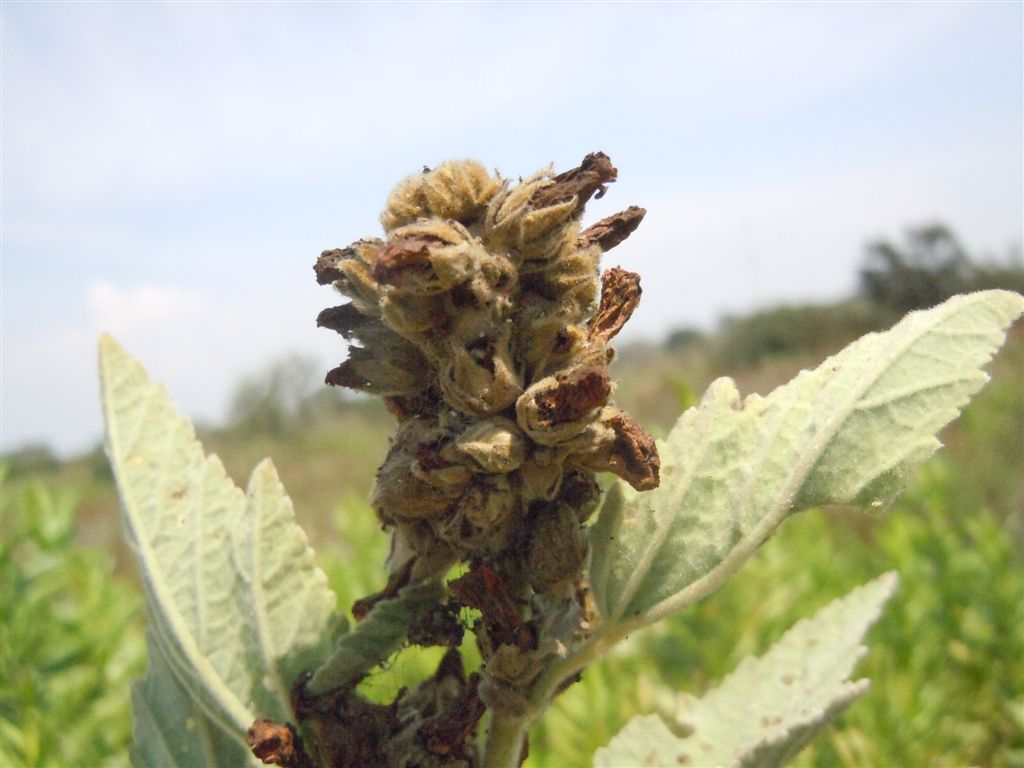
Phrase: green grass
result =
(71, 641)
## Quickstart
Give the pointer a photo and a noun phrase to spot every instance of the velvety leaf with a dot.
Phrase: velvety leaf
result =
(236, 606)
(770, 707)
(383, 632)
(170, 728)
(852, 431)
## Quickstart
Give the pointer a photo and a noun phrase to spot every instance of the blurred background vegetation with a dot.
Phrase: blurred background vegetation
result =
(946, 660)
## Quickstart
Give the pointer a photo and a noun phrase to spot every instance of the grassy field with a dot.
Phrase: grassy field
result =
(945, 660)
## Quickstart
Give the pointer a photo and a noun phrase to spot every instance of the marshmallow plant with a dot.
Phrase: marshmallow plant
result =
(523, 506)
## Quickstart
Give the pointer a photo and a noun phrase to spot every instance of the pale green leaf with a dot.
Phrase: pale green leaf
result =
(849, 432)
(770, 707)
(171, 729)
(236, 605)
(383, 632)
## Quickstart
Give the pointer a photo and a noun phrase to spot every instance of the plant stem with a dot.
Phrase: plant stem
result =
(506, 736)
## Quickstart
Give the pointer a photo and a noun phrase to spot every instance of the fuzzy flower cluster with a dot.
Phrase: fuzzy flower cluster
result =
(482, 320)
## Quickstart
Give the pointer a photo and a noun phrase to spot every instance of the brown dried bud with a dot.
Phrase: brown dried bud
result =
(275, 744)
(616, 443)
(559, 407)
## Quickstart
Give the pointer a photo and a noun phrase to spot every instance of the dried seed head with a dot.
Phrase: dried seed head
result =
(478, 319)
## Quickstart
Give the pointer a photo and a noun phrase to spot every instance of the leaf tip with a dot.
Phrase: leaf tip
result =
(108, 346)
(264, 478)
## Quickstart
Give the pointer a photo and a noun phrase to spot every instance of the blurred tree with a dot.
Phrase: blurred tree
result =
(929, 267)
(276, 399)
(30, 459)
(683, 338)
(780, 331)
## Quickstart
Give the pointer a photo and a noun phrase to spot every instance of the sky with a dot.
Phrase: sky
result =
(170, 171)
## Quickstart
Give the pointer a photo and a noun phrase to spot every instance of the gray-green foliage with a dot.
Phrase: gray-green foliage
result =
(769, 708)
(850, 432)
(237, 608)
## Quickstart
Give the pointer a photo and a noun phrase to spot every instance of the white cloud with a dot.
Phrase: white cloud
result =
(198, 344)
(127, 313)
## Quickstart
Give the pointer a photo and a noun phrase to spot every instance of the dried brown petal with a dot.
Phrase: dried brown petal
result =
(401, 256)
(344, 319)
(620, 295)
(276, 744)
(580, 183)
(636, 454)
(351, 271)
(559, 407)
(610, 231)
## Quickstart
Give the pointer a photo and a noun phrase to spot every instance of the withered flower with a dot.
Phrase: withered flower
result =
(482, 320)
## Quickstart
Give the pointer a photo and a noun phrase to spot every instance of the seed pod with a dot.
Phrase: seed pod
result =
(558, 550)
(479, 385)
(415, 546)
(482, 519)
(541, 474)
(495, 445)
(401, 493)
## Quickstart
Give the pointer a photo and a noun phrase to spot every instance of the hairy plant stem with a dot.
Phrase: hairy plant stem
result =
(506, 737)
